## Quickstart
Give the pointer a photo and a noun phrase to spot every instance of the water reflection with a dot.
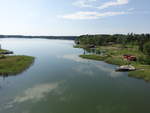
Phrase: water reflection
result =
(73, 57)
(85, 70)
(35, 94)
(107, 69)
(94, 51)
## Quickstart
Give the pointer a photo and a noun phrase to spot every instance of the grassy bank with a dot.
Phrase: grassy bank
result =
(3, 50)
(11, 65)
(114, 56)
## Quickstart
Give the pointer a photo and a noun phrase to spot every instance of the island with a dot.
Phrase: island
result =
(119, 49)
(13, 64)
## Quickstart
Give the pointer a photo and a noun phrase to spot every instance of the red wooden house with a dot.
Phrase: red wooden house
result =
(130, 57)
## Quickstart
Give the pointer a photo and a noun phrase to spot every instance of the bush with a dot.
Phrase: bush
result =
(2, 56)
(144, 60)
(146, 48)
(147, 61)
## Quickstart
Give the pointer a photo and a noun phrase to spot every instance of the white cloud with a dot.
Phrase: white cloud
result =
(84, 3)
(88, 3)
(86, 15)
(92, 15)
(113, 3)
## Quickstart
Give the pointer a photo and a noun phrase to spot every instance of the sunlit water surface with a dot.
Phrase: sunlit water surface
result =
(61, 82)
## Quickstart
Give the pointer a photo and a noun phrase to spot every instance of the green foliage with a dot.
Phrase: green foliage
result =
(144, 60)
(2, 56)
(106, 58)
(93, 57)
(116, 61)
(3, 50)
(99, 40)
(145, 74)
(11, 65)
(146, 48)
(147, 61)
(115, 46)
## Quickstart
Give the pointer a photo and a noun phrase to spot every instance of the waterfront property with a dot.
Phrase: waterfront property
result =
(125, 50)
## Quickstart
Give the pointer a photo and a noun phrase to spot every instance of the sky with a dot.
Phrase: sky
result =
(74, 17)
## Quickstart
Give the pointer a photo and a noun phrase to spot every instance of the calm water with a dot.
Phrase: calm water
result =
(61, 82)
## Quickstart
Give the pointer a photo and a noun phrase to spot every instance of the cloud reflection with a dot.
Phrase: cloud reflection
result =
(85, 69)
(73, 57)
(36, 93)
(101, 67)
(111, 71)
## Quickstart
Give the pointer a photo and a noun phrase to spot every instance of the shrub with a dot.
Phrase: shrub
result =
(146, 48)
(2, 56)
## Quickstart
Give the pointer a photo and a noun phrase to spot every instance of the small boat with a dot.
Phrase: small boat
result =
(126, 68)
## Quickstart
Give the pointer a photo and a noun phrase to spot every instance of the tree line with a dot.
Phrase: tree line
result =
(44, 37)
(142, 40)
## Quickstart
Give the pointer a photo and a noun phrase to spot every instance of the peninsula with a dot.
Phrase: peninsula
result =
(13, 64)
(131, 49)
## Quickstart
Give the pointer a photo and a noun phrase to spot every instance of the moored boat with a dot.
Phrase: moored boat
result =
(126, 68)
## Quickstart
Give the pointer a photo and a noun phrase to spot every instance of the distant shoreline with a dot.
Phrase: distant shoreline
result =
(42, 37)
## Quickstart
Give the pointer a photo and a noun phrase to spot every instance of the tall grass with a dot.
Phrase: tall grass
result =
(12, 65)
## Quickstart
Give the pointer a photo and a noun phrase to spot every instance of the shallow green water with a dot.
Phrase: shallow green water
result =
(61, 82)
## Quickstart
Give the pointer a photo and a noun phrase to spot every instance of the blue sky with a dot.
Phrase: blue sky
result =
(74, 17)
